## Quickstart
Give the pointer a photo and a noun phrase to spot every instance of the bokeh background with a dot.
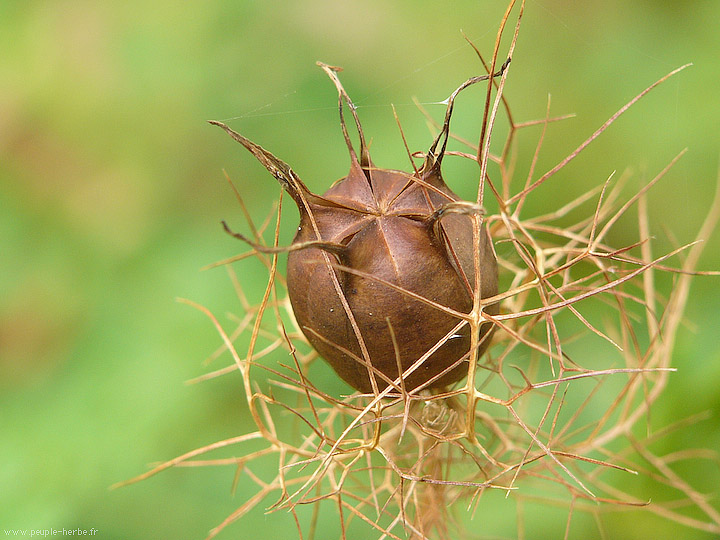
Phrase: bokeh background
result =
(112, 190)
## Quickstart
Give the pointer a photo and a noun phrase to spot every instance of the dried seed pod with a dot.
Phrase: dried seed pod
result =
(379, 264)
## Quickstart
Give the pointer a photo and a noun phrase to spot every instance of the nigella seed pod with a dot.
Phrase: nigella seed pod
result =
(381, 265)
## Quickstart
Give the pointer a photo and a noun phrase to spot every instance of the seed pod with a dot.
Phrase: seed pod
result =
(380, 262)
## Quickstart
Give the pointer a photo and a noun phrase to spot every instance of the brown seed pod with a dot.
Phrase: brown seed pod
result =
(379, 264)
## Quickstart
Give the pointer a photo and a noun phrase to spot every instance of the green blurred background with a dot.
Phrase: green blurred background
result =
(112, 190)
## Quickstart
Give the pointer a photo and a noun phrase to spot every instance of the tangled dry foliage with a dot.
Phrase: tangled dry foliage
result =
(555, 411)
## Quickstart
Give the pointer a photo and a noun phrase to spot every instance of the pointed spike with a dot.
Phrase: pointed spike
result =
(282, 172)
(332, 72)
(434, 159)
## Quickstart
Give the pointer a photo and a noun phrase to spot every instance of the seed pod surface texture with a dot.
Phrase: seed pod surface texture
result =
(383, 222)
(372, 264)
